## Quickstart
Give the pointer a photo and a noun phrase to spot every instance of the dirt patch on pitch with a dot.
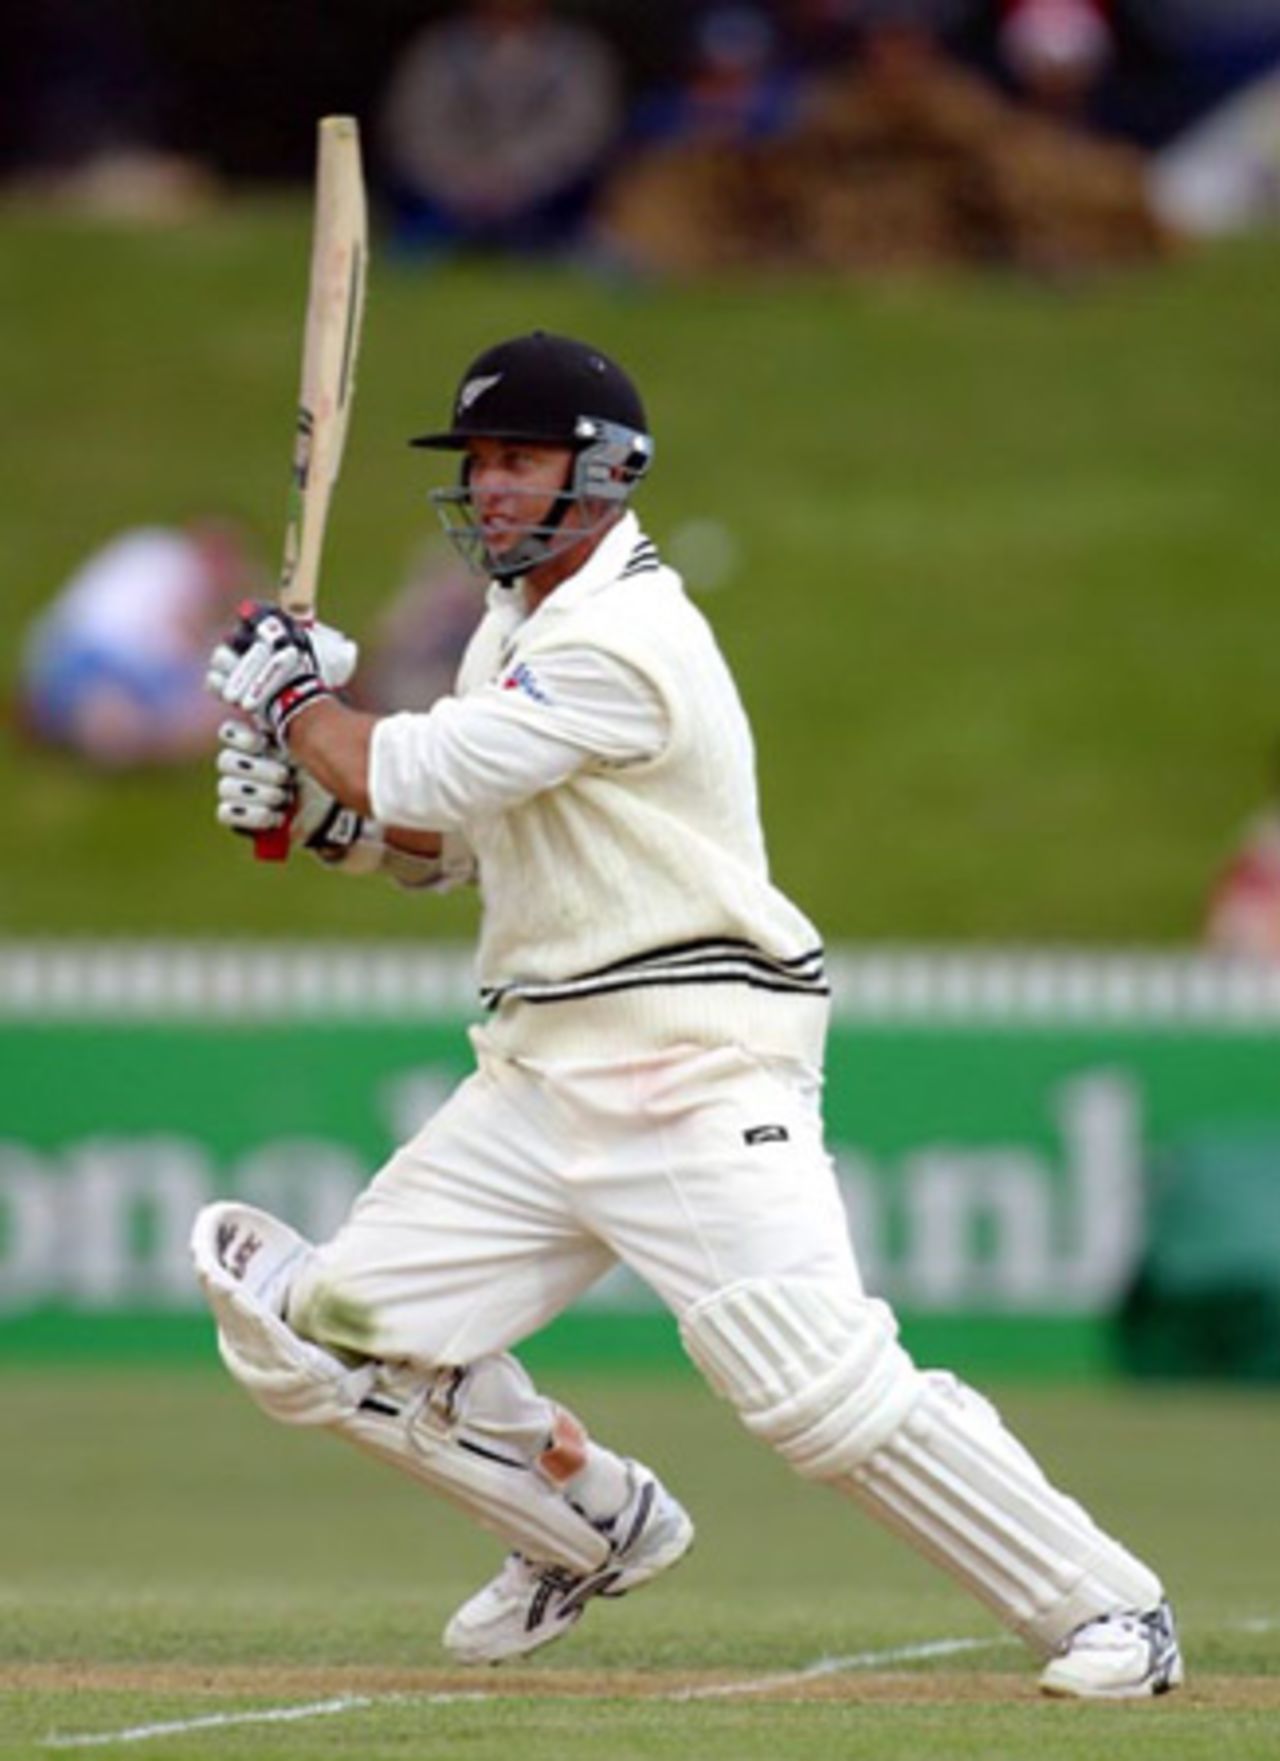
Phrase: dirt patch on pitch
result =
(297, 1685)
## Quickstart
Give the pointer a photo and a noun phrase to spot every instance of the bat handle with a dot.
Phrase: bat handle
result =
(272, 846)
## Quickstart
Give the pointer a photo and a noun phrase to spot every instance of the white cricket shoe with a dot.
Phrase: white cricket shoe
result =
(528, 1605)
(1126, 1656)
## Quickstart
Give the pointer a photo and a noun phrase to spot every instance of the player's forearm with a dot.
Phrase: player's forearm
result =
(332, 742)
(413, 843)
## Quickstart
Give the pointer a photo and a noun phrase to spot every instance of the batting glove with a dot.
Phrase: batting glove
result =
(260, 789)
(337, 655)
(272, 666)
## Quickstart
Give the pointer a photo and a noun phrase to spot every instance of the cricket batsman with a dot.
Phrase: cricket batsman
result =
(647, 1082)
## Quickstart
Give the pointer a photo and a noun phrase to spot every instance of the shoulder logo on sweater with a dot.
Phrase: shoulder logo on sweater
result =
(521, 678)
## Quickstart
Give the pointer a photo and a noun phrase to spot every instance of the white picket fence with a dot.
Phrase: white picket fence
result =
(238, 981)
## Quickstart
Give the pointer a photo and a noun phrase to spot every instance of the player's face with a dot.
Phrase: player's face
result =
(513, 486)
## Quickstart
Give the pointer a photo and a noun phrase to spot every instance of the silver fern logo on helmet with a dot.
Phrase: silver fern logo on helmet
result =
(475, 388)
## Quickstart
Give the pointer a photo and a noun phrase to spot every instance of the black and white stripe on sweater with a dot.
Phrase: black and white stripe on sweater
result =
(642, 561)
(714, 960)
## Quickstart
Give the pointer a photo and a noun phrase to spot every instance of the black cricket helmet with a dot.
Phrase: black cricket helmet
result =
(547, 391)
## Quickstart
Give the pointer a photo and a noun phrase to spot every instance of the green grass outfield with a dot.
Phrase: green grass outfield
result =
(171, 1557)
(1004, 610)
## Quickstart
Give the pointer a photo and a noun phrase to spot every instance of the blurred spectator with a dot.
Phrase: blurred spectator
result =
(132, 185)
(414, 654)
(496, 126)
(897, 142)
(1057, 51)
(735, 88)
(693, 194)
(905, 159)
(1244, 906)
(1223, 175)
(84, 78)
(114, 668)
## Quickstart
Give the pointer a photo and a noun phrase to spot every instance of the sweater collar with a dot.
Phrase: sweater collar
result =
(604, 565)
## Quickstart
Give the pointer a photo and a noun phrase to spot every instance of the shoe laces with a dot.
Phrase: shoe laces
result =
(519, 1573)
(1124, 1623)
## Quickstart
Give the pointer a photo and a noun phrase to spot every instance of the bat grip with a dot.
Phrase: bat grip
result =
(272, 846)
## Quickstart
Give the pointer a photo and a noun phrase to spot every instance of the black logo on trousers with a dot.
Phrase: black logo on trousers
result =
(766, 1134)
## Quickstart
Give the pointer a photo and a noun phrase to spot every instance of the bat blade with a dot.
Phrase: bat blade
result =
(335, 308)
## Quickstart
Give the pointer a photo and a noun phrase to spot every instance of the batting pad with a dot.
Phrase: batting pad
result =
(957, 1485)
(818, 1372)
(245, 1261)
(419, 1424)
(813, 1369)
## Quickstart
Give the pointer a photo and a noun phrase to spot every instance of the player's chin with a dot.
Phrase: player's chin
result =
(497, 551)
(499, 539)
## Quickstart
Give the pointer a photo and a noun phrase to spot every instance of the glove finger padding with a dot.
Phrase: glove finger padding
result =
(257, 785)
(336, 834)
(242, 736)
(222, 663)
(273, 772)
(259, 674)
(267, 794)
(250, 816)
(261, 789)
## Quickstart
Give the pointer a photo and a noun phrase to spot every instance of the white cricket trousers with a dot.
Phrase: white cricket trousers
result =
(695, 1168)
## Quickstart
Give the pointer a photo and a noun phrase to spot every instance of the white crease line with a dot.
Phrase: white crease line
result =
(141, 1733)
(763, 1684)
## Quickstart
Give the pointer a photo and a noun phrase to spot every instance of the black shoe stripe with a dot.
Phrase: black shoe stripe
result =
(645, 1505)
(599, 1585)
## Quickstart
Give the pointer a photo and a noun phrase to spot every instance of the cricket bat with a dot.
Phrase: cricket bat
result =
(335, 305)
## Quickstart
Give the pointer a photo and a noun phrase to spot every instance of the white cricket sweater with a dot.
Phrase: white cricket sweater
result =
(599, 763)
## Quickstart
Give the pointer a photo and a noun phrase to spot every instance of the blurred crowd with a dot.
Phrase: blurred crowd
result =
(851, 139)
(682, 138)
(669, 138)
(897, 156)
